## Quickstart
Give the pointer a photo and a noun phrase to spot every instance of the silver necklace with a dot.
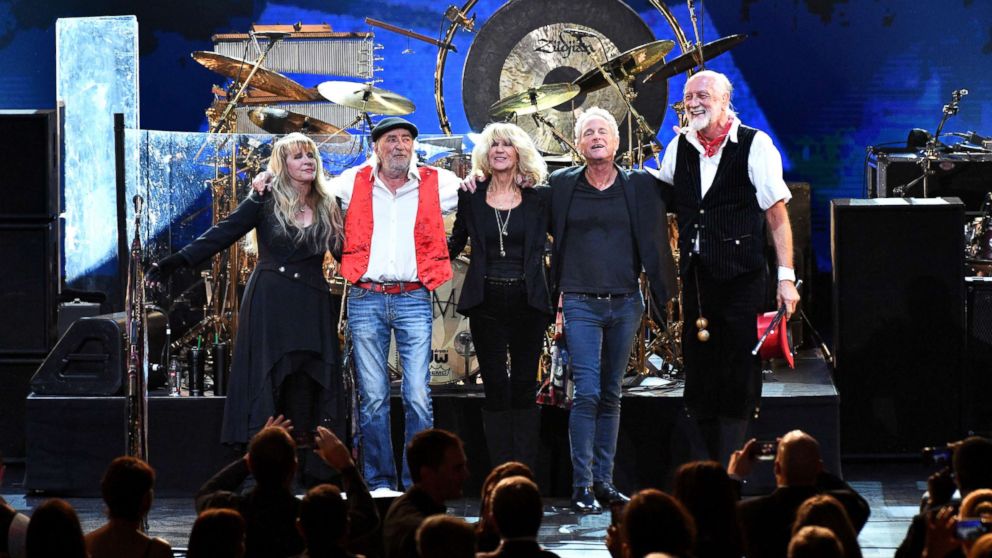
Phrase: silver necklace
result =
(501, 225)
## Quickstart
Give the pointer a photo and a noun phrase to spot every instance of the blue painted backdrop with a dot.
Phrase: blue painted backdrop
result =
(825, 78)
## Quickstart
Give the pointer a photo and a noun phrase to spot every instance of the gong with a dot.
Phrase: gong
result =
(524, 45)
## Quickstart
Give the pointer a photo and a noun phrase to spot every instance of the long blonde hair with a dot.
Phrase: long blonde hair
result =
(328, 226)
(529, 161)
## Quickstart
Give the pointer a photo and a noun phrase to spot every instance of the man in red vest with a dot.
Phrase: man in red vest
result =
(395, 253)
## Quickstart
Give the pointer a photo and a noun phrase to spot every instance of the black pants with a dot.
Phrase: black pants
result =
(506, 322)
(722, 378)
(304, 401)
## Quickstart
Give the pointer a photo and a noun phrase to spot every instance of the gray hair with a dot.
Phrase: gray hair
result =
(596, 112)
(722, 83)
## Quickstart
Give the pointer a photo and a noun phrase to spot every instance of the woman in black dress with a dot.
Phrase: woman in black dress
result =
(286, 351)
(505, 293)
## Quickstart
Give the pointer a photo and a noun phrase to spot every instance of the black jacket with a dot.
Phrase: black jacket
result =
(535, 209)
(766, 521)
(645, 201)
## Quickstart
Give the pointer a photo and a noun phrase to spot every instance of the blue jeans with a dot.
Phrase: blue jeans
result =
(372, 317)
(599, 333)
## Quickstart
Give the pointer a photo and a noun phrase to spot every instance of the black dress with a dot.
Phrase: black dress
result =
(286, 312)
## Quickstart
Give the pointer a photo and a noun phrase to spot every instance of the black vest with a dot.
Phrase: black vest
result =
(730, 223)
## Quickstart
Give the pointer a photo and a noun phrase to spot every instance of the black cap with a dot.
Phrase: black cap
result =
(391, 123)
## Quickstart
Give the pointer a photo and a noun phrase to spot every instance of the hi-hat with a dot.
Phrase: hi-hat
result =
(534, 99)
(689, 60)
(366, 98)
(281, 121)
(266, 80)
(630, 63)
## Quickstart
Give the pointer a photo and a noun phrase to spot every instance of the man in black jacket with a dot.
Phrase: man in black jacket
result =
(608, 225)
(766, 521)
(438, 467)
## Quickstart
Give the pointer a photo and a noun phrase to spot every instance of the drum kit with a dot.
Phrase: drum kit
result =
(534, 63)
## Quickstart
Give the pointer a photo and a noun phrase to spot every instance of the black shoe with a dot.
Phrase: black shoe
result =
(608, 494)
(584, 501)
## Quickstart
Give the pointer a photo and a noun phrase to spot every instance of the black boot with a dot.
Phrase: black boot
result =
(498, 426)
(526, 435)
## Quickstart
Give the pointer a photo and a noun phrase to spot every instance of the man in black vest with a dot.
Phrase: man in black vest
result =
(728, 185)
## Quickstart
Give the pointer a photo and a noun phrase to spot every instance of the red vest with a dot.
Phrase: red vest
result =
(433, 266)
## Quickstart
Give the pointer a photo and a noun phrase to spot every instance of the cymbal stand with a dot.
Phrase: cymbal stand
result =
(562, 139)
(697, 49)
(627, 95)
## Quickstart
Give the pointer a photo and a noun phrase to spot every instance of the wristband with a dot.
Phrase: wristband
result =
(786, 274)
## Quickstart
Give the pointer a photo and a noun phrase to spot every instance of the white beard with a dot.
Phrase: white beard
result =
(697, 123)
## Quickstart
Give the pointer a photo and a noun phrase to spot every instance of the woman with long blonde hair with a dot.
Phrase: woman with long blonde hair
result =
(286, 351)
(505, 294)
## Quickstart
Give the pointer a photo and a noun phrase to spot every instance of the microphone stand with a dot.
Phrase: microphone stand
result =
(930, 152)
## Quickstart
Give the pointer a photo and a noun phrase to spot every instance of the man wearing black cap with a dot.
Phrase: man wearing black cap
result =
(395, 254)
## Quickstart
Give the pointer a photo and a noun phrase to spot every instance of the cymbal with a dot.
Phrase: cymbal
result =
(366, 98)
(281, 121)
(632, 62)
(534, 99)
(688, 61)
(266, 80)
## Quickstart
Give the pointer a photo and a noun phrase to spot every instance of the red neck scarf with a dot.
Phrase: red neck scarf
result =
(713, 145)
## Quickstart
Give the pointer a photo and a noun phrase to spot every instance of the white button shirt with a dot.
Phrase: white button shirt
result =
(764, 165)
(393, 256)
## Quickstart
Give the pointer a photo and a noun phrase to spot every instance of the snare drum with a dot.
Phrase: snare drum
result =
(452, 351)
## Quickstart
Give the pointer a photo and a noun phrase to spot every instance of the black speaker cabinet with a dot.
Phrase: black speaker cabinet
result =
(90, 358)
(29, 155)
(15, 374)
(978, 380)
(28, 283)
(898, 297)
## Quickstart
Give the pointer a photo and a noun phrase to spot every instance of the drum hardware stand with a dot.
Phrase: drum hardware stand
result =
(562, 139)
(137, 347)
(931, 152)
(627, 95)
(458, 18)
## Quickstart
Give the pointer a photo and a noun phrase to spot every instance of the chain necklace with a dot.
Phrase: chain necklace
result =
(501, 225)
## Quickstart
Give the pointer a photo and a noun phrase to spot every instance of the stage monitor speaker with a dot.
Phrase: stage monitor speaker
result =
(898, 298)
(978, 380)
(28, 285)
(90, 358)
(29, 155)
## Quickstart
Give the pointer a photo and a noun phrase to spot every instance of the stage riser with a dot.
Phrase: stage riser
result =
(72, 439)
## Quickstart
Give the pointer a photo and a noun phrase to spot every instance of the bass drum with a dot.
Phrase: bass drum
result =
(452, 351)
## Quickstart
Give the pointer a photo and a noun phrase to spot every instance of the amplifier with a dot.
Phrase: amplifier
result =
(967, 176)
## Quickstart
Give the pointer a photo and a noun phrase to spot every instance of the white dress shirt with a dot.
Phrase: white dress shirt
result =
(764, 165)
(393, 256)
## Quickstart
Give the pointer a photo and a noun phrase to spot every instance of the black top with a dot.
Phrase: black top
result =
(646, 208)
(286, 307)
(469, 224)
(600, 256)
(510, 263)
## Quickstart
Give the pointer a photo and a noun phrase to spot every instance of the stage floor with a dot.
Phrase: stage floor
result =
(892, 489)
